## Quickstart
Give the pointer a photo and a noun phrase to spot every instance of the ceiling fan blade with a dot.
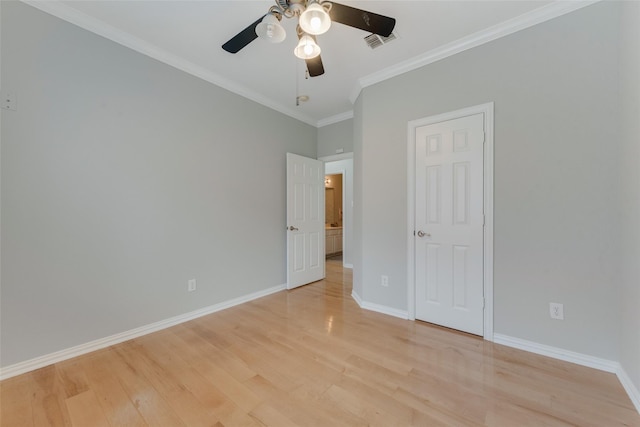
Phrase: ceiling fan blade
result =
(315, 67)
(243, 38)
(358, 18)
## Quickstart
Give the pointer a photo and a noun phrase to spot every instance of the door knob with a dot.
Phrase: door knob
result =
(422, 234)
(292, 228)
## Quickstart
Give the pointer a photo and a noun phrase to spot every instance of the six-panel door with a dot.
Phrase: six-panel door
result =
(449, 223)
(305, 220)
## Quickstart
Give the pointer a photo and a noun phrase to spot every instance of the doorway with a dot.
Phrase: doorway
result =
(333, 215)
(341, 165)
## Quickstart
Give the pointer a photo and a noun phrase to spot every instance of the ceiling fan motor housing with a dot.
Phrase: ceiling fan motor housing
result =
(295, 7)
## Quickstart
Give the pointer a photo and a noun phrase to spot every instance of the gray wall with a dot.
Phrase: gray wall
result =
(335, 136)
(629, 185)
(122, 178)
(556, 155)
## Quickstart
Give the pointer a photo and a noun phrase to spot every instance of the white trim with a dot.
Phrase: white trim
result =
(383, 309)
(537, 16)
(487, 110)
(335, 119)
(357, 298)
(58, 356)
(357, 88)
(336, 157)
(488, 221)
(346, 218)
(411, 220)
(89, 23)
(348, 266)
(629, 387)
(557, 353)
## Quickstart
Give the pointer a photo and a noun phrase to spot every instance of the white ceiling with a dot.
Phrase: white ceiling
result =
(189, 35)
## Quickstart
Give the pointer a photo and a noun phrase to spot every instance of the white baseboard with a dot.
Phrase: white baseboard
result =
(557, 353)
(348, 266)
(357, 298)
(58, 356)
(630, 388)
(390, 311)
(577, 358)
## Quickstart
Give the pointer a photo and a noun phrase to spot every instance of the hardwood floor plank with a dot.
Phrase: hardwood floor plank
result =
(349, 400)
(48, 399)
(228, 392)
(15, 401)
(302, 410)
(269, 416)
(442, 414)
(85, 410)
(116, 404)
(146, 399)
(72, 377)
(225, 358)
(164, 373)
(206, 392)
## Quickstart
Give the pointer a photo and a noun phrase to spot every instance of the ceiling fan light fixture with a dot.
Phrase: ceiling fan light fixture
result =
(315, 19)
(270, 29)
(307, 48)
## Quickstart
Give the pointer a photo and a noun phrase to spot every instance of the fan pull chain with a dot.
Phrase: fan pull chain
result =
(297, 87)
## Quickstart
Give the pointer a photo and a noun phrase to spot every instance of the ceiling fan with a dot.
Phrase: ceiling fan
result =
(314, 18)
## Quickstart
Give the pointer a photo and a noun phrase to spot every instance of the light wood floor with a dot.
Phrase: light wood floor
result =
(312, 357)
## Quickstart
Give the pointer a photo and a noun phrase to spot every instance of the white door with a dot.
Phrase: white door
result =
(305, 220)
(449, 221)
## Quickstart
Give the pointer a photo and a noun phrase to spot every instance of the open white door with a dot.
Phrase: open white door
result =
(305, 220)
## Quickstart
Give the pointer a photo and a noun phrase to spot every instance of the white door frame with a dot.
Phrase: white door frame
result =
(487, 110)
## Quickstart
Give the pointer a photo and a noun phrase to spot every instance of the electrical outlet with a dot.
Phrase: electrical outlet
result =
(384, 280)
(556, 310)
(191, 285)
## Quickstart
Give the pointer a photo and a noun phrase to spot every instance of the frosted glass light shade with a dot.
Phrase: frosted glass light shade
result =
(315, 20)
(270, 29)
(307, 48)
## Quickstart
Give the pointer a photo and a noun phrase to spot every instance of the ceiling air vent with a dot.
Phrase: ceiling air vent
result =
(375, 40)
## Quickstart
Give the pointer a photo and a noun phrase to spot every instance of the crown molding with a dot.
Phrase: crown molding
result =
(335, 119)
(82, 20)
(526, 20)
